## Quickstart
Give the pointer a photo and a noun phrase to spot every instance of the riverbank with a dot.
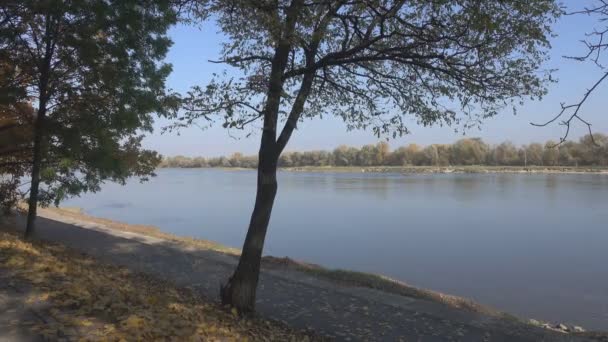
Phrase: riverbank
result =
(452, 169)
(440, 169)
(341, 277)
(341, 304)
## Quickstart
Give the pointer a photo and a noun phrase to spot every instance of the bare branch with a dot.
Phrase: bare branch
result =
(575, 115)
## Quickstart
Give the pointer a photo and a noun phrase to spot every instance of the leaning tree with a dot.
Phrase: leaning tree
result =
(92, 70)
(371, 63)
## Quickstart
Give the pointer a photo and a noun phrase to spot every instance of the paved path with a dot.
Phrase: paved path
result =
(344, 313)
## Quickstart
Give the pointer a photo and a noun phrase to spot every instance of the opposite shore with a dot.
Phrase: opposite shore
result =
(479, 169)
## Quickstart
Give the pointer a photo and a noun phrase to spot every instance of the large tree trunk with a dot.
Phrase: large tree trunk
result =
(240, 290)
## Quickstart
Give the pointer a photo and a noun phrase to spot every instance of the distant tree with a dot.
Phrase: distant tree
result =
(344, 155)
(443, 151)
(469, 152)
(534, 154)
(382, 152)
(551, 154)
(506, 154)
(199, 162)
(430, 156)
(568, 154)
(592, 149)
(285, 160)
(368, 156)
(371, 63)
(235, 159)
(93, 70)
(398, 157)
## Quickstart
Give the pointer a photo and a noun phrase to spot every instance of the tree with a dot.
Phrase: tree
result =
(344, 155)
(16, 115)
(469, 152)
(371, 63)
(368, 156)
(534, 154)
(443, 151)
(93, 69)
(506, 154)
(592, 149)
(551, 154)
(568, 154)
(383, 150)
(430, 156)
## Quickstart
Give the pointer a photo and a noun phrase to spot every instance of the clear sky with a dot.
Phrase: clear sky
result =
(194, 46)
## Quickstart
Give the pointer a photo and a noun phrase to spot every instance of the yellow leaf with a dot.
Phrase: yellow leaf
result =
(85, 323)
(134, 322)
(152, 300)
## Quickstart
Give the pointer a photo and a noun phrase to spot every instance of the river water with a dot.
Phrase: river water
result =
(533, 245)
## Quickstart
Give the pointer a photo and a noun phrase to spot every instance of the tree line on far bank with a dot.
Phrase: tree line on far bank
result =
(468, 151)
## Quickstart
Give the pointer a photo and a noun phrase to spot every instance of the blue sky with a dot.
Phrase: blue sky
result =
(194, 46)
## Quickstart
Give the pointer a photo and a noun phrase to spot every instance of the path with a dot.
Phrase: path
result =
(304, 302)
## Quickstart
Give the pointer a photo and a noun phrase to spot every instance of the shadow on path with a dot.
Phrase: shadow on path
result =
(303, 302)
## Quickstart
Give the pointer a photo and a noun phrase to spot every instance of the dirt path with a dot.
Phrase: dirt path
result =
(17, 313)
(344, 313)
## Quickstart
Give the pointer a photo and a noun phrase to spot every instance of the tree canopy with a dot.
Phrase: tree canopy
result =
(371, 63)
(93, 72)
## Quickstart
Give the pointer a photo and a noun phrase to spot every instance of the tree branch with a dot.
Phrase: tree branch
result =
(575, 114)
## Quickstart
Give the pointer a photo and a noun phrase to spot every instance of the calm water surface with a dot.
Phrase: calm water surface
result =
(533, 245)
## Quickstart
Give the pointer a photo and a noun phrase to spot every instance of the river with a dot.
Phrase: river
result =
(531, 244)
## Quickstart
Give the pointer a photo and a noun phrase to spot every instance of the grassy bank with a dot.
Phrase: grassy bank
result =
(83, 299)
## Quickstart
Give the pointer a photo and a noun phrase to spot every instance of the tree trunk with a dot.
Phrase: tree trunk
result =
(35, 184)
(43, 91)
(240, 290)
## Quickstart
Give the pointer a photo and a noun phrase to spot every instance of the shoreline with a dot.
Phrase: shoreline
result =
(299, 270)
(318, 305)
(407, 170)
(340, 277)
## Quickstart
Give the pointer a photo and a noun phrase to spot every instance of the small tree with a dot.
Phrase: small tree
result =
(93, 71)
(370, 63)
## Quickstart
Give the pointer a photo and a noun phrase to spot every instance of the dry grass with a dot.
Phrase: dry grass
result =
(76, 213)
(90, 300)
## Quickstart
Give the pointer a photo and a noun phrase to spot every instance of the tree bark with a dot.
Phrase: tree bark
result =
(240, 290)
(36, 167)
(43, 91)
